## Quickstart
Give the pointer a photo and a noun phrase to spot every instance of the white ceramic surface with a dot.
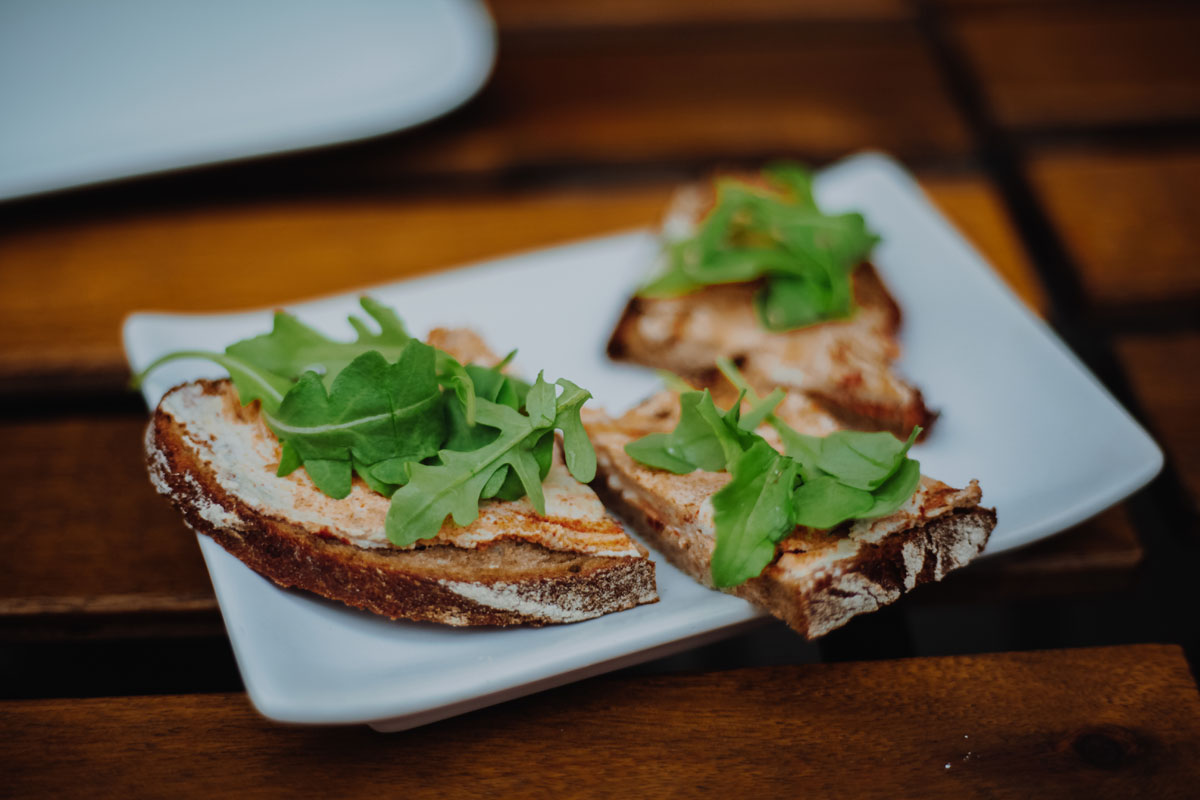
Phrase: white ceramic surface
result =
(95, 91)
(1048, 443)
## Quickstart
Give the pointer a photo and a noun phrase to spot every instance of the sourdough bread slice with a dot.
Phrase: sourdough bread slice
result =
(819, 579)
(216, 461)
(845, 365)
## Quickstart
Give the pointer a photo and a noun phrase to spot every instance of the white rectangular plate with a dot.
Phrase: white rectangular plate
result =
(1048, 443)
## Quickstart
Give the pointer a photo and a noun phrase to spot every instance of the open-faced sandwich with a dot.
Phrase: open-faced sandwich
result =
(753, 271)
(812, 523)
(415, 480)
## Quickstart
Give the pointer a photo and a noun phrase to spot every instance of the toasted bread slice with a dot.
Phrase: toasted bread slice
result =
(819, 579)
(845, 365)
(216, 460)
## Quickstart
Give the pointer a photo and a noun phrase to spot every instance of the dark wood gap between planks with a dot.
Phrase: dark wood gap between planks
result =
(37, 397)
(312, 175)
(140, 665)
(791, 29)
(1162, 512)
(1159, 135)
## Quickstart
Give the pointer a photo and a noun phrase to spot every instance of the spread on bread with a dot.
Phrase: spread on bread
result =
(815, 525)
(389, 475)
(754, 271)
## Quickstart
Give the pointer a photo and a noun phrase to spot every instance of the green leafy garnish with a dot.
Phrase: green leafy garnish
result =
(752, 512)
(292, 348)
(775, 234)
(374, 412)
(436, 436)
(455, 484)
(818, 482)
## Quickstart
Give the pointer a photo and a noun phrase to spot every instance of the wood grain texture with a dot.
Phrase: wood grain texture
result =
(646, 96)
(240, 256)
(1165, 373)
(92, 535)
(243, 256)
(1112, 63)
(570, 98)
(1129, 219)
(1096, 723)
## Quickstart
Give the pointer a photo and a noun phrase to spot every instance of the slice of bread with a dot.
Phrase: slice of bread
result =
(845, 365)
(819, 579)
(216, 461)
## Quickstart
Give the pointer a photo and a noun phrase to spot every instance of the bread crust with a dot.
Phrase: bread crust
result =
(874, 577)
(508, 582)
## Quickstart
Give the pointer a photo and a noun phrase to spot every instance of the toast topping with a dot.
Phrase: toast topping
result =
(794, 481)
(682, 504)
(245, 455)
(772, 234)
(387, 416)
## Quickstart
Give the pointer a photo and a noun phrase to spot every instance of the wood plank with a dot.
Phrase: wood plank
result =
(242, 256)
(1097, 723)
(562, 99)
(1129, 221)
(92, 535)
(1113, 63)
(1165, 373)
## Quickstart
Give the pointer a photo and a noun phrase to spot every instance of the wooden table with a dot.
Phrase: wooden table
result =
(1063, 141)
(1109, 722)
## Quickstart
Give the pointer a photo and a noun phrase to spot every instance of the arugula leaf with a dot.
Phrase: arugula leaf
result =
(802, 448)
(578, 452)
(863, 460)
(704, 438)
(752, 513)
(505, 484)
(777, 234)
(289, 460)
(293, 348)
(374, 411)
(455, 486)
(693, 442)
(251, 381)
(824, 502)
(540, 402)
(726, 429)
(896, 490)
(786, 303)
(760, 410)
(655, 450)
